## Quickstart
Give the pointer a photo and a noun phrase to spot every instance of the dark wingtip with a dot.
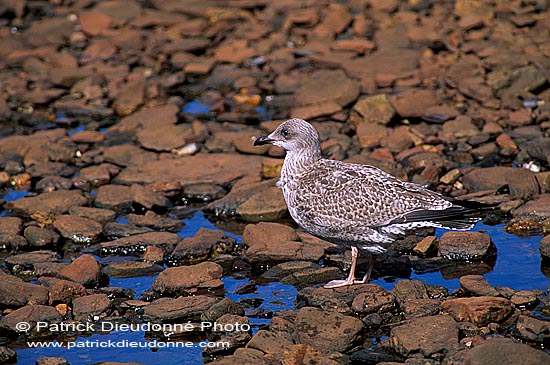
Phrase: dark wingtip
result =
(262, 140)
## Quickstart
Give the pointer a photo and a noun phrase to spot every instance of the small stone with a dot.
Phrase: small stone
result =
(137, 243)
(189, 279)
(129, 269)
(14, 292)
(376, 300)
(532, 329)
(494, 350)
(465, 245)
(155, 222)
(478, 286)
(478, 310)
(206, 244)
(40, 237)
(91, 307)
(30, 314)
(114, 197)
(78, 229)
(147, 197)
(86, 271)
(179, 310)
(426, 246)
(375, 109)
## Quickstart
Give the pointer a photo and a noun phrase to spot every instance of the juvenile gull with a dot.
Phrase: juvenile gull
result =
(355, 205)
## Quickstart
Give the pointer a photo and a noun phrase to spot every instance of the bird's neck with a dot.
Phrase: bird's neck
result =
(297, 162)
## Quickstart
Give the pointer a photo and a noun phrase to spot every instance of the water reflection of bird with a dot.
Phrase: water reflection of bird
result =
(354, 205)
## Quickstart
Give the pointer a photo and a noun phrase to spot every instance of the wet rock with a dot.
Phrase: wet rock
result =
(478, 310)
(96, 175)
(539, 149)
(62, 291)
(525, 299)
(465, 245)
(312, 276)
(269, 205)
(304, 354)
(327, 331)
(91, 307)
(78, 229)
(496, 350)
(426, 246)
(478, 286)
(270, 342)
(227, 206)
(427, 335)
(138, 243)
(544, 247)
(179, 310)
(96, 214)
(225, 307)
(129, 269)
(203, 192)
(376, 300)
(30, 314)
(26, 264)
(260, 253)
(189, 279)
(95, 23)
(337, 299)
(7, 355)
(14, 292)
(532, 329)
(414, 300)
(148, 198)
(165, 137)
(51, 360)
(206, 244)
(324, 86)
(114, 197)
(114, 230)
(288, 268)
(44, 206)
(155, 222)
(85, 270)
(40, 237)
(538, 207)
(10, 227)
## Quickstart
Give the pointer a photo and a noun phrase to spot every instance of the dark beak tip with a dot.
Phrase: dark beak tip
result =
(260, 141)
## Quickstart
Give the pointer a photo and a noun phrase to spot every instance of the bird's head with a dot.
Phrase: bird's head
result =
(293, 135)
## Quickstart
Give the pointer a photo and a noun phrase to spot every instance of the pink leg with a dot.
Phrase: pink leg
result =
(351, 277)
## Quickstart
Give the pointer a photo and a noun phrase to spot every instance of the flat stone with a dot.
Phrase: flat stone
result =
(139, 242)
(91, 307)
(52, 360)
(478, 286)
(46, 205)
(96, 214)
(337, 299)
(327, 331)
(223, 310)
(465, 245)
(269, 205)
(323, 86)
(544, 247)
(260, 253)
(94, 23)
(533, 329)
(494, 350)
(427, 336)
(525, 299)
(30, 314)
(270, 342)
(129, 269)
(376, 300)
(11, 226)
(375, 109)
(268, 232)
(165, 137)
(370, 134)
(478, 310)
(114, 197)
(156, 222)
(205, 244)
(538, 207)
(28, 261)
(189, 279)
(211, 168)
(85, 270)
(288, 268)
(312, 111)
(129, 97)
(412, 103)
(78, 229)
(14, 292)
(40, 237)
(426, 246)
(179, 310)
(148, 198)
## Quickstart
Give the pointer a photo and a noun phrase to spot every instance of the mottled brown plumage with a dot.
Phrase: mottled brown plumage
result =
(356, 205)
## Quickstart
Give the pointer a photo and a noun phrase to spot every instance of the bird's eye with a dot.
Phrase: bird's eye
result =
(285, 133)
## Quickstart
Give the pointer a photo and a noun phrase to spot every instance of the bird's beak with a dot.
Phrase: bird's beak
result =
(260, 141)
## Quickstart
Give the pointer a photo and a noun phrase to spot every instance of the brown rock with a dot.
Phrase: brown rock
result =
(62, 291)
(338, 299)
(532, 329)
(478, 310)
(147, 197)
(376, 300)
(267, 232)
(139, 242)
(52, 360)
(426, 335)
(102, 216)
(413, 103)
(524, 299)
(496, 350)
(11, 226)
(323, 86)
(96, 175)
(478, 286)
(90, 307)
(128, 269)
(89, 137)
(28, 261)
(375, 109)
(205, 244)
(14, 292)
(539, 206)
(315, 110)
(370, 134)
(280, 251)
(30, 314)
(86, 271)
(544, 247)
(45, 205)
(40, 237)
(78, 229)
(270, 342)
(268, 205)
(155, 221)
(165, 137)
(189, 279)
(465, 245)
(271, 167)
(426, 246)
(178, 310)
(327, 331)
(94, 23)
(234, 51)
(304, 354)
(114, 197)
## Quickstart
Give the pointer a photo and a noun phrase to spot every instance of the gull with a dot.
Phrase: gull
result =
(354, 205)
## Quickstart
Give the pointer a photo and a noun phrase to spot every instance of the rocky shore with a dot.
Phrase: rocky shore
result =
(120, 118)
